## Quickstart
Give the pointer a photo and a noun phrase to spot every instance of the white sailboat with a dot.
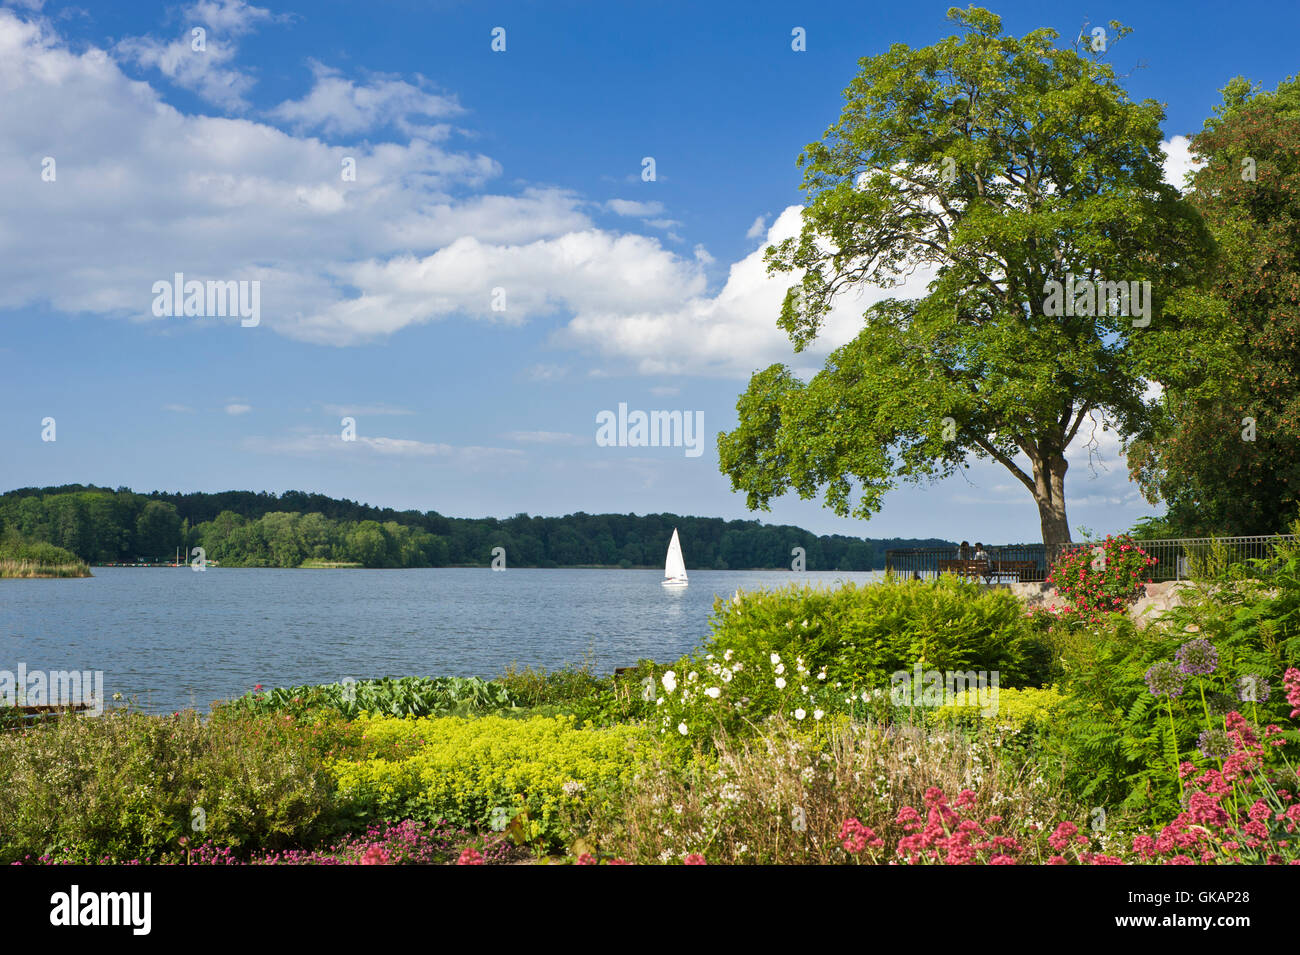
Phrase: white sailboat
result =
(675, 566)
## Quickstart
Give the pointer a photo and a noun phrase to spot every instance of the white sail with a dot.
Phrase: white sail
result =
(675, 566)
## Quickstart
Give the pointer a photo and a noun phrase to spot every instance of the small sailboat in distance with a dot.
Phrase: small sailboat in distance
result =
(674, 566)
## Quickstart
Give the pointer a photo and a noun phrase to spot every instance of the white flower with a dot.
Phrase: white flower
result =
(669, 681)
(708, 656)
(780, 683)
(799, 714)
(659, 702)
(713, 692)
(692, 677)
(780, 668)
(822, 675)
(727, 656)
(776, 658)
(738, 666)
(726, 676)
(681, 728)
(804, 689)
(804, 624)
(818, 714)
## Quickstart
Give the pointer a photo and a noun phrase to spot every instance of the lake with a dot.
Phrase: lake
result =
(174, 638)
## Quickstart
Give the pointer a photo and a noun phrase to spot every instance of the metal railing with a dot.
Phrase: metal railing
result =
(1006, 563)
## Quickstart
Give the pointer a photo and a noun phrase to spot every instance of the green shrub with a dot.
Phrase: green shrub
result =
(862, 634)
(1020, 711)
(485, 772)
(404, 696)
(126, 785)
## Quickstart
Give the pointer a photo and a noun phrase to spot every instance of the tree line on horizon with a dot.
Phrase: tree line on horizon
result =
(252, 529)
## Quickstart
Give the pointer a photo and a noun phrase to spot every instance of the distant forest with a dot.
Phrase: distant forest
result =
(248, 529)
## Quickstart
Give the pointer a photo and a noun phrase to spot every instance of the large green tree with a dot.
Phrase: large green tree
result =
(1002, 165)
(1224, 452)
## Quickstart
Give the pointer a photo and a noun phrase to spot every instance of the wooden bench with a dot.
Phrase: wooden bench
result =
(988, 569)
(965, 568)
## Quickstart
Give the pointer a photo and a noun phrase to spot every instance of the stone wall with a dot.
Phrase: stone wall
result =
(1159, 598)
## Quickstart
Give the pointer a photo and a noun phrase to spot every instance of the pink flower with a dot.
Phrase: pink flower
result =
(375, 855)
(586, 859)
(470, 856)
(694, 859)
(855, 837)
(1061, 837)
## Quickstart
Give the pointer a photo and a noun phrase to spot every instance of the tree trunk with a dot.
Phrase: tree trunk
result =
(1049, 493)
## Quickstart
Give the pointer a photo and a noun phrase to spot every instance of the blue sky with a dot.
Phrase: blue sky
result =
(476, 170)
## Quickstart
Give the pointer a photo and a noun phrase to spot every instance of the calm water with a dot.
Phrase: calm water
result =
(173, 638)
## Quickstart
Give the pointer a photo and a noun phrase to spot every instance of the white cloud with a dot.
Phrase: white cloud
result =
(757, 230)
(207, 71)
(178, 409)
(1178, 161)
(238, 409)
(342, 262)
(545, 372)
(630, 207)
(728, 334)
(338, 106)
(380, 447)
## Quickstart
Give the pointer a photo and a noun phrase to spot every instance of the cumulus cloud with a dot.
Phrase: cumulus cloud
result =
(727, 334)
(338, 106)
(206, 71)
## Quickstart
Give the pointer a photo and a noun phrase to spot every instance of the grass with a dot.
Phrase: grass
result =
(30, 559)
(31, 569)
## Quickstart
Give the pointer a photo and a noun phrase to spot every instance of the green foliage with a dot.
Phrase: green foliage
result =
(1025, 713)
(25, 558)
(486, 772)
(1224, 450)
(404, 696)
(126, 786)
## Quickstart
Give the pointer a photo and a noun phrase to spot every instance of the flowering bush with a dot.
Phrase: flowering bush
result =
(489, 772)
(402, 843)
(1095, 581)
(1238, 813)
